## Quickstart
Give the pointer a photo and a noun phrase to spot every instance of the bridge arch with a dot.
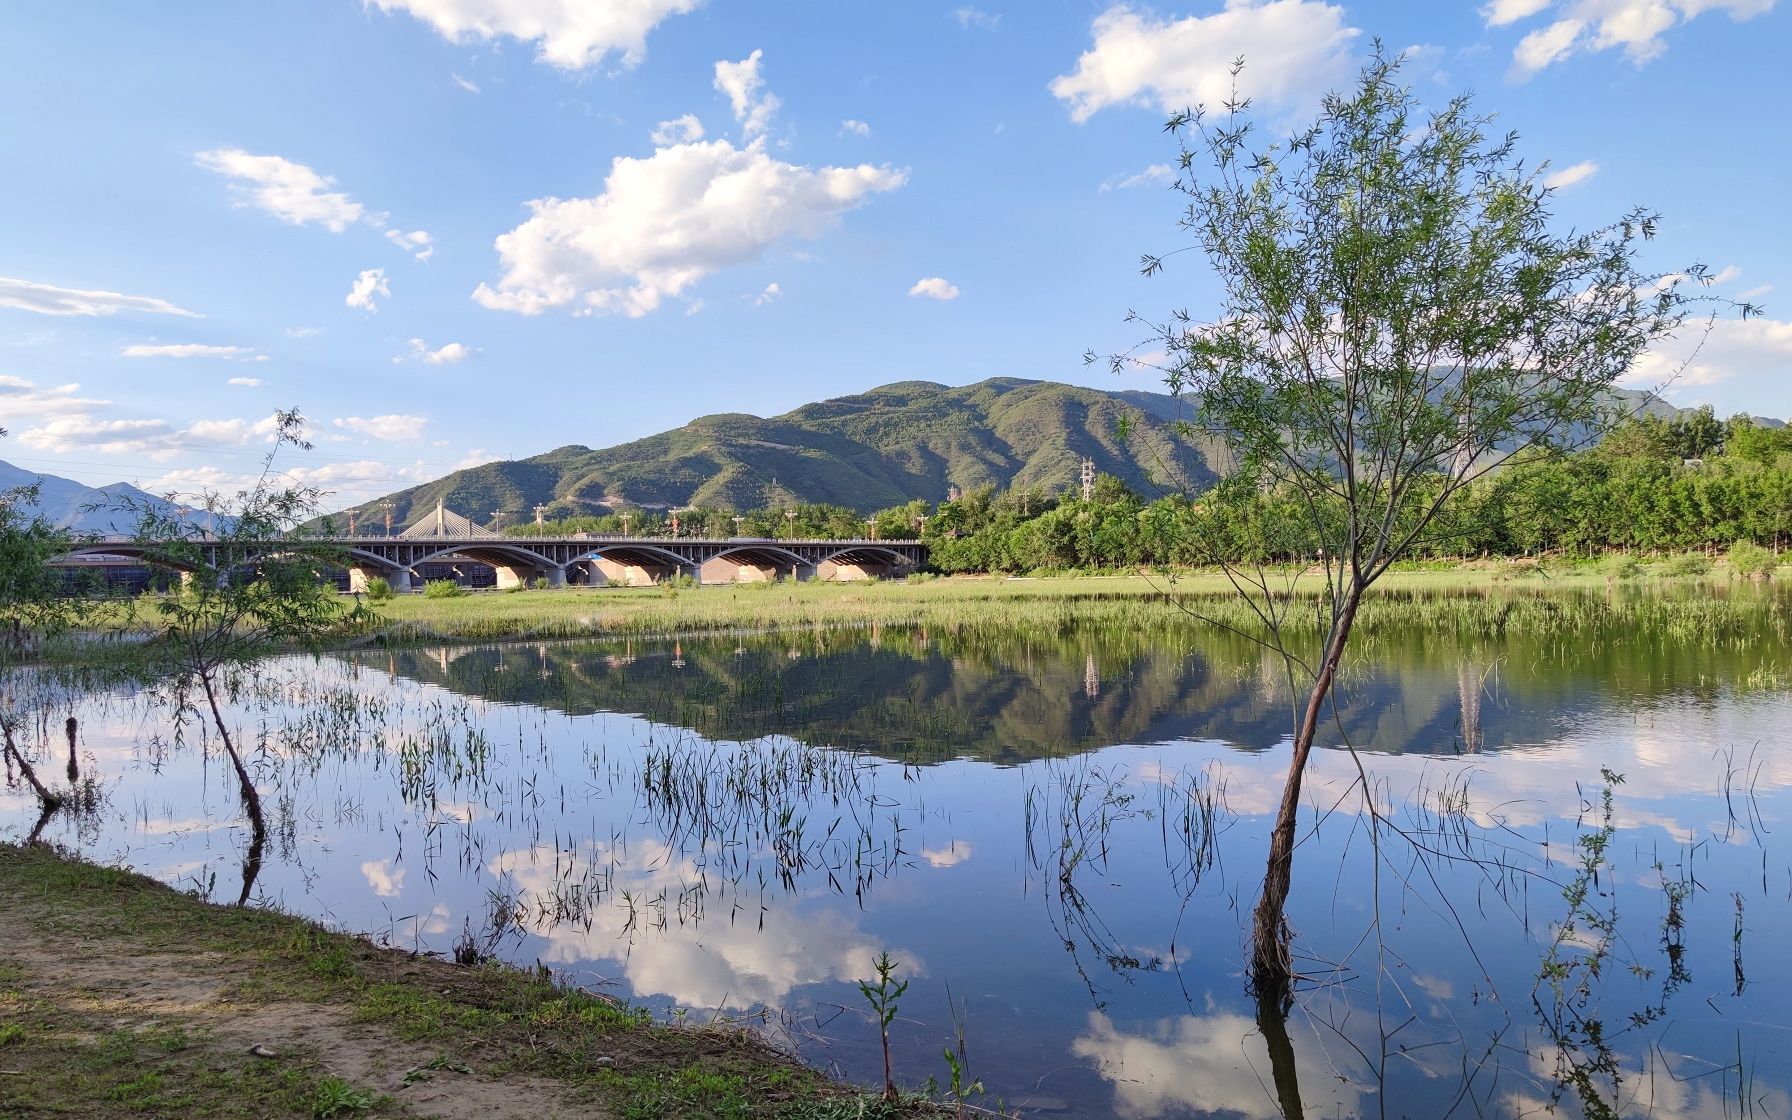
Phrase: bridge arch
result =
(754, 562)
(861, 561)
(631, 564)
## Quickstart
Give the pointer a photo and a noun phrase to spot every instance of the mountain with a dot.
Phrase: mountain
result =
(99, 510)
(868, 451)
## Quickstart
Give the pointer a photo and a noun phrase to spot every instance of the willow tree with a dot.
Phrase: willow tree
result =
(254, 582)
(1397, 318)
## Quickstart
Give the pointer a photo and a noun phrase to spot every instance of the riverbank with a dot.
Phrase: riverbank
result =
(959, 600)
(120, 997)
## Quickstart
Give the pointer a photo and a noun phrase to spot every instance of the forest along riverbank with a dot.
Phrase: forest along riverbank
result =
(120, 996)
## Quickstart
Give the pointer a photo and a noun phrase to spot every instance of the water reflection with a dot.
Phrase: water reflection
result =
(1224, 1062)
(713, 823)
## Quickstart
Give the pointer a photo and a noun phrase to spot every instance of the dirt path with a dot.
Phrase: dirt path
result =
(97, 989)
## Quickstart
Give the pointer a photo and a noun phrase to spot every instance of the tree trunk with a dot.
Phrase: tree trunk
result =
(51, 801)
(1272, 1020)
(251, 799)
(1272, 969)
(74, 770)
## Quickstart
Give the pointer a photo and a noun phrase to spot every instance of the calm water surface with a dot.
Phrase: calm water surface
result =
(1058, 836)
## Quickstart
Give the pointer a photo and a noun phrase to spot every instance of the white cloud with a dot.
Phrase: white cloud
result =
(934, 287)
(1568, 176)
(711, 964)
(303, 332)
(951, 855)
(1294, 50)
(693, 307)
(46, 299)
(1755, 292)
(1545, 45)
(973, 17)
(90, 433)
(416, 243)
(246, 382)
(1742, 350)
(358, 479)
(1207, 1064)
(452, 354)
(385, 881)
(772, 292)
(683, 130)
(225, 433)
(663, 223)
(465, 83)
(370, 283)
(392, 426)
(1638, 27)
(289, 191)
(25, 402)
(1157, 175)
(570, 34)
(1501, 12)
(186, 350)
(857, 128)
(1726, 274)
(753, 108)
(157, 439)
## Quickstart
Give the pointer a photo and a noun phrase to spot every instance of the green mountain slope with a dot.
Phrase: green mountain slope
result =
(869, 451)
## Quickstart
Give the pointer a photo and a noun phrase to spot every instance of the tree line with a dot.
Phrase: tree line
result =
(1651, 485)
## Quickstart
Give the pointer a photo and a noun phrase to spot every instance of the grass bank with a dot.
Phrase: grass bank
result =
(953, 601)
(120, 997)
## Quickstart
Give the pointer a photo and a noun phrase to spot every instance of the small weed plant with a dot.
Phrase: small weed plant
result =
(882, 997)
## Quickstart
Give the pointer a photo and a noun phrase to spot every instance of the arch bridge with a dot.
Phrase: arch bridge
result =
(599, 560)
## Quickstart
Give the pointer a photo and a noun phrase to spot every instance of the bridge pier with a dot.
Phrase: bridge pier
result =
(844, 571)
(516, 575)
(629, 573)
(360, 574)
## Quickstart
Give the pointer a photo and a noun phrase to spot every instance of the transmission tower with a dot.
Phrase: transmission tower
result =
(1088, 479)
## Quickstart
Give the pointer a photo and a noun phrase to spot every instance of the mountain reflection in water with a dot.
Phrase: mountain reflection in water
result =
(1062, 826)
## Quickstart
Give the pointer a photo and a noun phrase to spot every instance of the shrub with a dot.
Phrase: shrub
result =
(539, 583)
(1686, 564)
(1749, 559)
(442, 589)
(1620, 565)
(379, 589)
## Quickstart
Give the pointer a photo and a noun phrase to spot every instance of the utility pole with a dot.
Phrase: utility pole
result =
(540, 512)
(497, 515)
(1088, 479)
(351, 522)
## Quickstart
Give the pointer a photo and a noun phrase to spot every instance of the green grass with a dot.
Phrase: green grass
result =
(63, 1062)
(1125, 599)
(499, 1020)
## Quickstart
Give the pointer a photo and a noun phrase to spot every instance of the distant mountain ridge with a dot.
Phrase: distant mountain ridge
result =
(82, 509)
(866, 451)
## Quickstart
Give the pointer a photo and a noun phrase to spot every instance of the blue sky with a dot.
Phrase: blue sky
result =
(458, 230)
